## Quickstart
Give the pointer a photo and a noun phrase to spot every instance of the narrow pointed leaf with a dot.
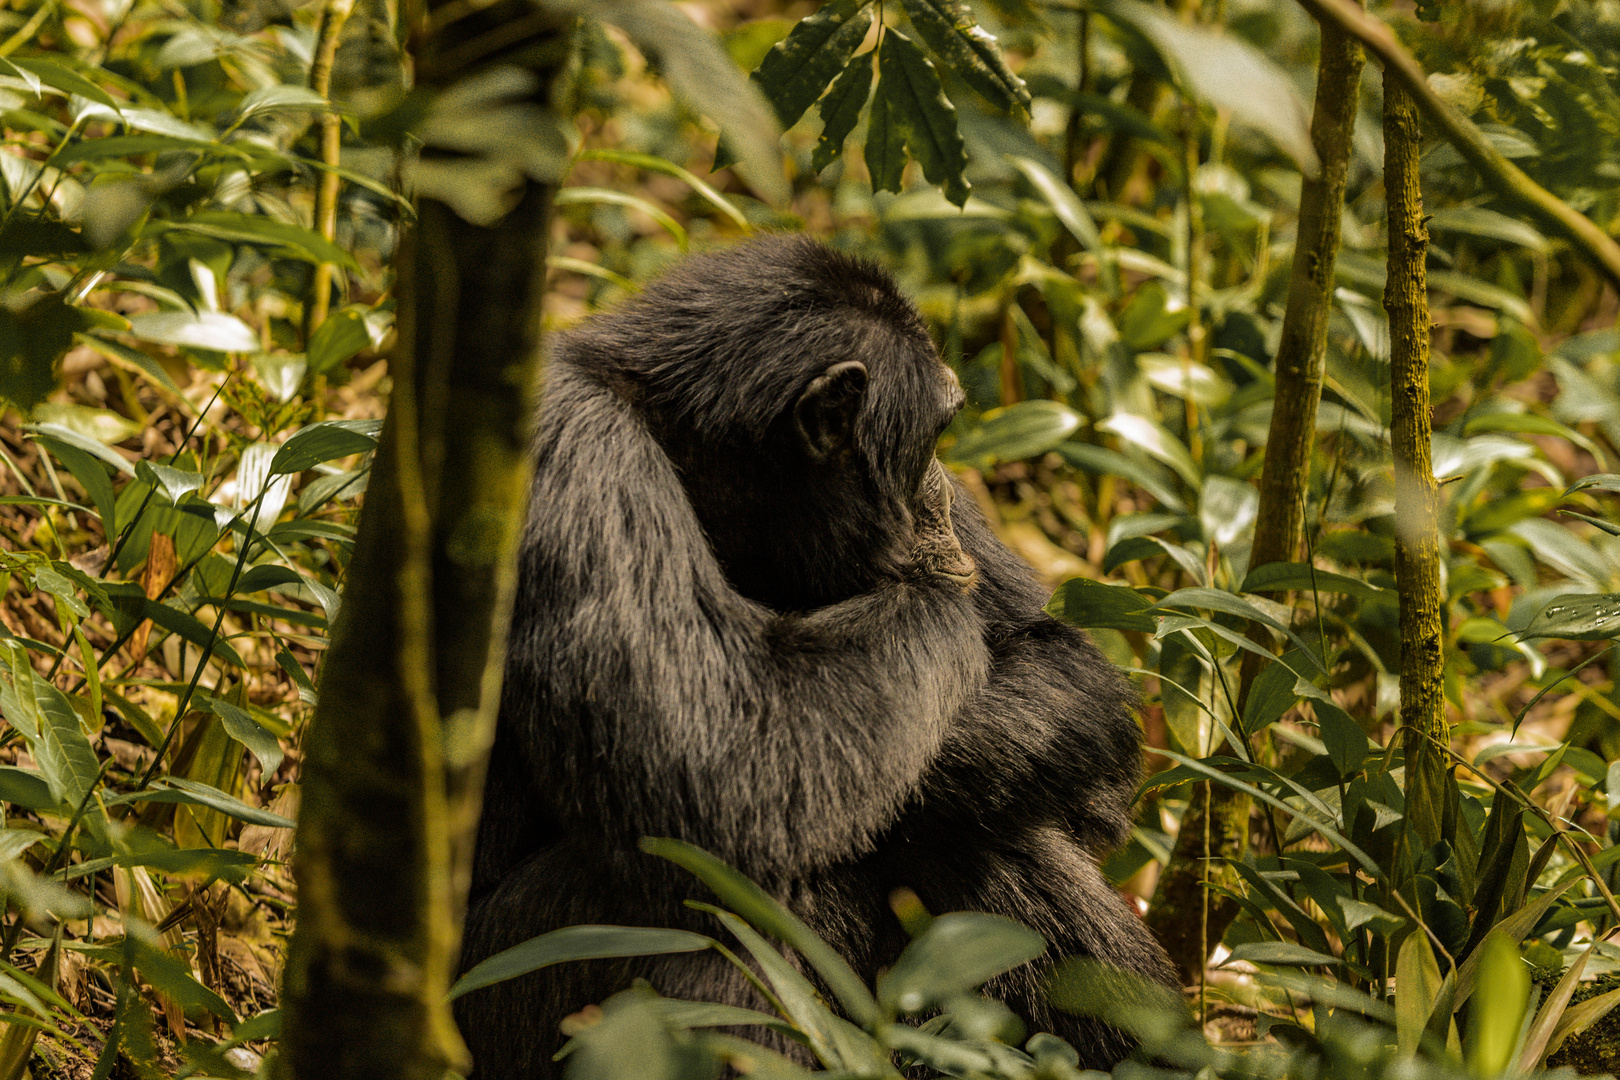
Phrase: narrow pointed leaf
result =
(576, 943)
(841, 110)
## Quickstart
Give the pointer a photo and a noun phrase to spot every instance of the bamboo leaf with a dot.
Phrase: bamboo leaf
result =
(577, 943)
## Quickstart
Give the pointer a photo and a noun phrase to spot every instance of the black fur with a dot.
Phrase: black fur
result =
(724, 638)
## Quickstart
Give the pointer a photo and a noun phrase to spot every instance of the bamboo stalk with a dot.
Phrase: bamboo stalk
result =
(1417, 542)
(334, 17)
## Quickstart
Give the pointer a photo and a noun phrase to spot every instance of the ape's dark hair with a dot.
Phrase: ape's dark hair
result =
(724, 633)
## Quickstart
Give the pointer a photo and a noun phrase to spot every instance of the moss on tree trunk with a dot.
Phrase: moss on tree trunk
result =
(394, 760)
(1417, 537)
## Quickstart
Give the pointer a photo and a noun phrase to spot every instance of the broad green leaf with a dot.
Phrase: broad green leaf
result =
(1226, 603)
(1226, 72)
(751, 902)
(949, 28)
(172, 976)
(129, 358)
(1416, 968)
(1156, 441)
(1024, 430)
(1282, 952)
(799, 67)
(99, 425)
(175, 484)
(340, 337)
(1478, 221)
(1070, 211)
(241, 726)
(36, 330)
(1581, 1016)
(267, 576)
(284, 96)
(922, 114)
(325, 441)
(64, 755)
(1146, 547)
(1091, 604)
(958, 952)
(1346, 742)
(576, 943)
(63, 79)
(295, 240)
(840, 110)
(1302, 577)
(1472, 289)
(1271, 695)
(1105, 462)
(91, 474)
(196, 330)
(1498, 1006)
(1577, 617)
(26, 788)
(885, 143)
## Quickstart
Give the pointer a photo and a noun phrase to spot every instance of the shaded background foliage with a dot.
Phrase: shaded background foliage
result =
(1095, 206)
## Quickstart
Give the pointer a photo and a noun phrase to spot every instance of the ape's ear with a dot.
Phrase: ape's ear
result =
(825, 412)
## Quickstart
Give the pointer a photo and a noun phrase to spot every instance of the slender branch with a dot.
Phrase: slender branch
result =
(326, 194)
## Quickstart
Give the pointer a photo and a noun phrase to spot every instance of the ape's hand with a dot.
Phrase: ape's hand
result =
(935, 549)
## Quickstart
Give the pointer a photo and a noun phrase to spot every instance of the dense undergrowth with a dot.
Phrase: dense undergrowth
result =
(1103, 244)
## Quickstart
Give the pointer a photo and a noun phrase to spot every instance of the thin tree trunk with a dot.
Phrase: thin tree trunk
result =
(1417, 538)
(395, 757)
(1177, 913)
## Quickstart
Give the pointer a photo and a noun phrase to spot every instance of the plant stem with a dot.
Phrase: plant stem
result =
(326, 193)
(1417, 544)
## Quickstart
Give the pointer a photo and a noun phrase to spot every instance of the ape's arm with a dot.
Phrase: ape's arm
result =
(648, 697)
(1051, 736)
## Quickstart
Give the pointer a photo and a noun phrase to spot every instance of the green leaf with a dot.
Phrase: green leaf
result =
(1498, 1006)
(1155, 441)
(799, 67)
(669, 168)
(36, 330)
(64, 755)
(576, 943)
(1282, 952)
(325, 441)
(173, 977)
(1024, 430)
(25, 788)
(573, 195)
(885, 144)
(175, 484)
(1478, 221)
(1105, 462)
(1070, 211)
(922, 115)
(751, 902)
(189, 628)
(196, 330)
(948, 27)
(1226, 72)
(1600, 481)
(1346, 742)
(840, 111)
(1271, 695)
(64, 79)
(1577, 617)
(175, 789)
(958, 952)
(91, 474)
(340, 337)
(1415, 967)
(284, 96)
(1302, 577)
(1226, 603)
(1091, 604)
(241, 726)
(294, 240)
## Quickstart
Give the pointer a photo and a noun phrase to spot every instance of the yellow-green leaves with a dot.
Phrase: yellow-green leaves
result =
(1498, 1009)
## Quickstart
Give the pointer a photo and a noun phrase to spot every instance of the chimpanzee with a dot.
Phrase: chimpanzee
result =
(751, 616)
